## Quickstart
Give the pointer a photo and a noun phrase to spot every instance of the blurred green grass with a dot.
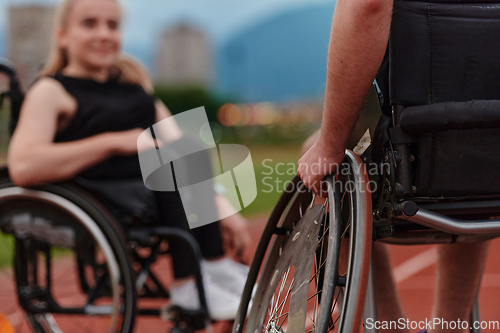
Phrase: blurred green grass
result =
(6, 247)
(274, 167)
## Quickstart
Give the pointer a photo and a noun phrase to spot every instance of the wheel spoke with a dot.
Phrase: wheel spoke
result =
(347, 228)
(282, 306)
(284, 319)
(313, 277)
(315, 294)
(318, 307)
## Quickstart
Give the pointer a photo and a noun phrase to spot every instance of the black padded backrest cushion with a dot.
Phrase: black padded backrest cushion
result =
(441, 52)
(441, 117)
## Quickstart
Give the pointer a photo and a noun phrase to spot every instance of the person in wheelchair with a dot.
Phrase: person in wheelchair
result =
(82, 118)
(358, 43)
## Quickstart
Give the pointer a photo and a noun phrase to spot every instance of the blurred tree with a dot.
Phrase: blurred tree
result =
(179, 99)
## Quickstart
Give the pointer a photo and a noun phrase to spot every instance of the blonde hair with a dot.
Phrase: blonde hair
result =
(126, 69)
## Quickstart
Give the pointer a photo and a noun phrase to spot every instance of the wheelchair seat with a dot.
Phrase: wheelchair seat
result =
(128, 200)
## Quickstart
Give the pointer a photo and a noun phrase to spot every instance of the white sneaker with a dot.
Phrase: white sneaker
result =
(227, 274)
(222, 304)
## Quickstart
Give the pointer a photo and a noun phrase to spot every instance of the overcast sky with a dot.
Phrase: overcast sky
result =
(220, 18)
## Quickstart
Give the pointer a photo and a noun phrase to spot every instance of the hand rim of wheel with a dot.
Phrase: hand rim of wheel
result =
(363, 212)
(79, 214)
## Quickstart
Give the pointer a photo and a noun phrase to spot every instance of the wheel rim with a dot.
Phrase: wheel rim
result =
(282, 304)
(293, 288)
(340, 292)
(93, 305)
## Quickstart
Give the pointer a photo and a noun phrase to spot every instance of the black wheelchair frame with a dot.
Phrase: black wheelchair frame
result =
(70, 211)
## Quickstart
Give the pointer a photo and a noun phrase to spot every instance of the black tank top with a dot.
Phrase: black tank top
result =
(107, 107)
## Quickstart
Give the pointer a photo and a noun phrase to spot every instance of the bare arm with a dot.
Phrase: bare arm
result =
(34, 158)
(310, 141)
(169, 130)
(359, 35)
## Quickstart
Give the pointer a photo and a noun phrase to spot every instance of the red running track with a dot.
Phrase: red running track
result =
(414, 268)
(414, 271)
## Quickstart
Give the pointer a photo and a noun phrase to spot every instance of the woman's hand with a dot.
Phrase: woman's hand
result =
(234, 228)
(126, 142)
(318, 162)
(235, 235)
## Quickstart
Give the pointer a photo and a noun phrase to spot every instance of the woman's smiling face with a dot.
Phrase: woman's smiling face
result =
(91, 36)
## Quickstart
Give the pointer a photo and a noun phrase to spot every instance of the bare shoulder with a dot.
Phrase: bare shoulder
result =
(50, 93)
(46, 85)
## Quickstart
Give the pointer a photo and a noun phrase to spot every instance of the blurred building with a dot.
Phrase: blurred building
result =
(184, 57)
(29, 38)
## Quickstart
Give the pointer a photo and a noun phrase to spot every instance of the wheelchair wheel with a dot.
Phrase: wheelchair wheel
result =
(71, 269)
(314, 273)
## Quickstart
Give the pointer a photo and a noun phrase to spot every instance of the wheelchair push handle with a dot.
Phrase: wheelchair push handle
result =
(15, 94)
(7, 67)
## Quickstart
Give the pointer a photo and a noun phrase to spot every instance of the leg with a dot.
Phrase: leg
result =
(459, 269)
(388, 303)
(208, 236)
(222, 303)
(210, 240)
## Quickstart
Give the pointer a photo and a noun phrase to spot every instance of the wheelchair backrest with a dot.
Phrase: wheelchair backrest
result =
(444, 89)
(444, 51)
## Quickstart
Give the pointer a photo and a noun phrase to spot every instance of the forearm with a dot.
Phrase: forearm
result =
(53, 162)
(168, 130)
(358, 41)
(311, 140)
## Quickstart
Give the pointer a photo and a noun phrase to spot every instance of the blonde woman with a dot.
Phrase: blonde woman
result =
(83, 117)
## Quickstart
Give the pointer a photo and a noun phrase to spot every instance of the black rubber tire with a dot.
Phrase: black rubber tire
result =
(286, 216)
(111, 230)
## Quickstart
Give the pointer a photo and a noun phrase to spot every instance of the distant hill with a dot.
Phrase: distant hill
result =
(280, 59)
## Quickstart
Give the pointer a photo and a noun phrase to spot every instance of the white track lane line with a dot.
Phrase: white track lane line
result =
(414, 265)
